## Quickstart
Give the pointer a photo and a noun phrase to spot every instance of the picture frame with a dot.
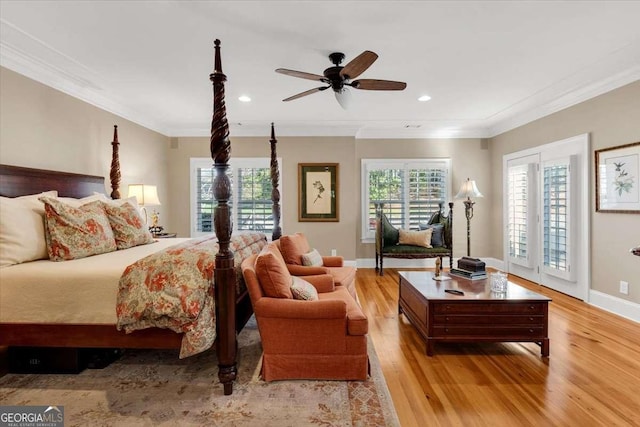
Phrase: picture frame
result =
(618, 179)
(318, 192)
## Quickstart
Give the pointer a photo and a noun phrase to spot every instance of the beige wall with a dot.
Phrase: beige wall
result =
(470, 159)
(41, 127)
(324, 236)
(611, 119)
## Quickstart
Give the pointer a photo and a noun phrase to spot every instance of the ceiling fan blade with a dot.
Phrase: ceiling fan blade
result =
(301, 74)
(359, 64)
(373, 84)
(306, 92)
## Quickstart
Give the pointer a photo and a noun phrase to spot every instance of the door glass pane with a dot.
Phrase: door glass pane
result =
(555, 214)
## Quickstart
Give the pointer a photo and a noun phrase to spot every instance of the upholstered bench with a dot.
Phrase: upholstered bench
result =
(388, 239)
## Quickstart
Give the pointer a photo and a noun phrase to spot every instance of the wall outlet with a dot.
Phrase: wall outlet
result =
(334, 252)
(624, 287)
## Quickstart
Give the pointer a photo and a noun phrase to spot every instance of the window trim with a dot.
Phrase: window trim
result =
(366, 165)
(234, 163)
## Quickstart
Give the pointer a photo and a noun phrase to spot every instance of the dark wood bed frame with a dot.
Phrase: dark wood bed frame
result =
(232, 312)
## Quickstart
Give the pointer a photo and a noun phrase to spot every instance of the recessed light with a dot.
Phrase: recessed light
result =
(244, 98)
(424, 98)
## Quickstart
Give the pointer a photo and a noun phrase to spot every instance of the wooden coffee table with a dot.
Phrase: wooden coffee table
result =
(477, 316)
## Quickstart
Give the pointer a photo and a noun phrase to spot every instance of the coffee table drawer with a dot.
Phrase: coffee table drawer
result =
(415, 303)
(470, 319)
(493, 308)
(493, 331)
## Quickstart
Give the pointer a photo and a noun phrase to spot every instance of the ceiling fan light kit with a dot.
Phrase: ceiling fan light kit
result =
(338, 77)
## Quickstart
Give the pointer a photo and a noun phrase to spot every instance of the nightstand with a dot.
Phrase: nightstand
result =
(164, 235)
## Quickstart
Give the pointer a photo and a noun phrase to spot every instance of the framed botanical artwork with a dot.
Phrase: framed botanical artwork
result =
(318, 192)
(618, 179)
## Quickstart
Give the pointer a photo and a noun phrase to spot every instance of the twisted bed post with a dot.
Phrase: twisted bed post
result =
(114, 175)
(275, 193)
(224, 274)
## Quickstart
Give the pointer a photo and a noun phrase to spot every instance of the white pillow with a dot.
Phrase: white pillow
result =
(76, 203)
(303, 290)
(312, 259)
(119, 202)
(22, 234)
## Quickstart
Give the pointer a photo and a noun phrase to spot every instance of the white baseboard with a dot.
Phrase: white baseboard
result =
(615, 305)
(422, 263)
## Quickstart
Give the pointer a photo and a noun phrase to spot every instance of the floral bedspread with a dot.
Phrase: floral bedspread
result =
(173, 289)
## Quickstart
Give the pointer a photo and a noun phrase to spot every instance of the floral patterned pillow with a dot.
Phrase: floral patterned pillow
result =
(73, 233)
(129, 229)
(301, 289)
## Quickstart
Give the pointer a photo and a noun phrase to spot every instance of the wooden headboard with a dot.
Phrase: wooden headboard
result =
(19, 181)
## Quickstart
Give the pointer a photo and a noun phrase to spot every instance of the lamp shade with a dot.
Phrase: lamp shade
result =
(468, 189)
(146, 195)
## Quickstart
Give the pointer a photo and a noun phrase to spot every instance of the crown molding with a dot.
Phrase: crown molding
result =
(593, 80)
(54, 69)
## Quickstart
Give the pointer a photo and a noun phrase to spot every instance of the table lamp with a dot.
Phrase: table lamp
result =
(146, 195)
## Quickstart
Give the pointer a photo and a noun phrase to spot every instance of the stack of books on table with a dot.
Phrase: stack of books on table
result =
(470, 268)
(471, 275)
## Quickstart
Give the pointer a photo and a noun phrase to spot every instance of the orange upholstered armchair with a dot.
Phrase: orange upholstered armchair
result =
(322, 336)
(302, 260)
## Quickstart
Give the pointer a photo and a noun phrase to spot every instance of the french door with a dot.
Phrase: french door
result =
(546, 205)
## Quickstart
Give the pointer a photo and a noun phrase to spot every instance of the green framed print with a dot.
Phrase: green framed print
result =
(318, 192)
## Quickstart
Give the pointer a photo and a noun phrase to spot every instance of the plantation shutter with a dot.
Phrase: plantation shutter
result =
(250, 202)
(556, 230)
(410, 191)
(521, 213)
(253, 199)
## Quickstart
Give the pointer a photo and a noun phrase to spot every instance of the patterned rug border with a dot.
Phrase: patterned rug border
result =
(152, 387)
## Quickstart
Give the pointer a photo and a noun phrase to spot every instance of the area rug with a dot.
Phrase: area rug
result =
(155, 388)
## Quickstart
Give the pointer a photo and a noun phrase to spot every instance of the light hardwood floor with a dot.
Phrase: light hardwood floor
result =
(592, 377)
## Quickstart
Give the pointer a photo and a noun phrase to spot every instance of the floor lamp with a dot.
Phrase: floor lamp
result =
(467, 191)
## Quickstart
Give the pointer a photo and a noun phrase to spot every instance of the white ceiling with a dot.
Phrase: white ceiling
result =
(489, 66)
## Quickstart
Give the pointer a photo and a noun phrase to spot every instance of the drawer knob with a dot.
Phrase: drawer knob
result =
(531, 330)
(446, 318)
(531, 307)
(531, 319)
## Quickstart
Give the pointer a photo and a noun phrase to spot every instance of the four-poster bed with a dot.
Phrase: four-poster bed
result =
(232, 306)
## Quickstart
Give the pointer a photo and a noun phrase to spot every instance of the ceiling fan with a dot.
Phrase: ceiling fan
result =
(338, 77)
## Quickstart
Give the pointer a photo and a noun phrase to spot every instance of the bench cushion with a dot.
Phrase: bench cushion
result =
(390, 250)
